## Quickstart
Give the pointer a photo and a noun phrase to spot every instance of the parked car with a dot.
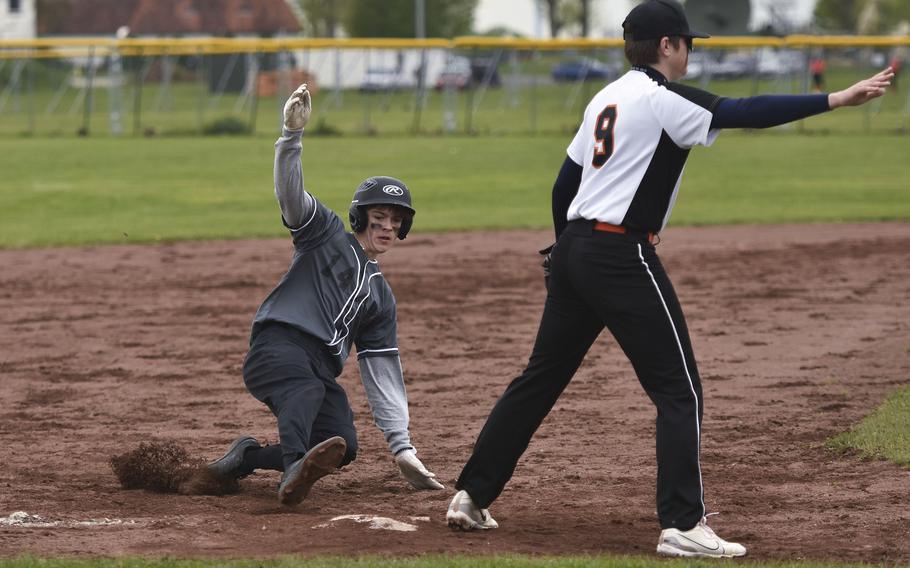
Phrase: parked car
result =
(734, 65)
(485, 70)
(585, 69)
(456, 75)
(385, 79)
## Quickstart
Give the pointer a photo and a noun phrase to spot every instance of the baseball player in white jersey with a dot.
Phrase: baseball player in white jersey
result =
(613, 195)
(332, 297)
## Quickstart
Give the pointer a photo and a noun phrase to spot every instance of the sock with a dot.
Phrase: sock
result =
(266, 457)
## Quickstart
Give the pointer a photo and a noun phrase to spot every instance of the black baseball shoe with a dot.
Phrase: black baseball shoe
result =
(230, 465)
(321, 460)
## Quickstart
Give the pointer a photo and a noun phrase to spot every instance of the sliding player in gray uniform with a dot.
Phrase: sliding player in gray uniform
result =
(612, 196)
(332, 297)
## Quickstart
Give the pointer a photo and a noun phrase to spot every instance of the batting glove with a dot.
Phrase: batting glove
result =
(297, 109)
(414, 471)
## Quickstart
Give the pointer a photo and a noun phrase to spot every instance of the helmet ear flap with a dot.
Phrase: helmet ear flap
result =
(358, 218)
(405, 227)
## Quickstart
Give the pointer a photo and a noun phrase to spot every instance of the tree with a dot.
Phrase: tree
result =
(845, 15)
(895, 11)
(553, 15)
(565, 13)
(323, 16)
(584, 16)
(395, 18)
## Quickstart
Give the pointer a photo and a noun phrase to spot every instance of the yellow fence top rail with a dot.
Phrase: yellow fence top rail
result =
(66, 47)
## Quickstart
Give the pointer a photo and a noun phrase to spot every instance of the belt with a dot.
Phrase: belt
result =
(610, 228)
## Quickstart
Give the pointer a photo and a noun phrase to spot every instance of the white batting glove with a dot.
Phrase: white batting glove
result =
(414, 471)
(297, 109)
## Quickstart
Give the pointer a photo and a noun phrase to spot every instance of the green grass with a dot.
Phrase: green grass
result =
(428, 561)
(103, 190)
(884, 434)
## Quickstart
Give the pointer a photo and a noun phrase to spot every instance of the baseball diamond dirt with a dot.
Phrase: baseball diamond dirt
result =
(800, 331)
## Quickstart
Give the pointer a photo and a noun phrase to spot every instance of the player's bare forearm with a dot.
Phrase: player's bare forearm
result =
(862, 91)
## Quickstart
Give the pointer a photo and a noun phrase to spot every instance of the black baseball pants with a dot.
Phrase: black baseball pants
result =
(289, 372)
(616, 281)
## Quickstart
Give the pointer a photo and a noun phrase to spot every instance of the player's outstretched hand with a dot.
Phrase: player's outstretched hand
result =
(414, 471)
(863, 91)
(297, 109)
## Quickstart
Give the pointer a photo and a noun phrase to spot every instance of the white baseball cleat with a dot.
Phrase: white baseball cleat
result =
(697, 541)
(465, 515)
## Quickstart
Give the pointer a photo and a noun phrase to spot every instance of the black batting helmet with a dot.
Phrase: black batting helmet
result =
(380, 190)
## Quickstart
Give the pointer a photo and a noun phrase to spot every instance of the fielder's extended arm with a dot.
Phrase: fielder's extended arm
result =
(765, 111)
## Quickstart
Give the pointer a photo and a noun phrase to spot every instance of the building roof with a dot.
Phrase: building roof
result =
(166, 17)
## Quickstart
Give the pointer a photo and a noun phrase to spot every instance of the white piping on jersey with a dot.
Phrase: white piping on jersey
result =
(682, 355)
(349, 304)
(311, 199)
(377, 350)
(347, 320)
(351, 297)
(353, 315)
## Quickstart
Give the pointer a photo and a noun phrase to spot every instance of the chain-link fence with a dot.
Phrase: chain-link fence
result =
(399, 87)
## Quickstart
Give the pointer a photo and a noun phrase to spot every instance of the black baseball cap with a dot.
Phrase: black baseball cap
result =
(655, 19)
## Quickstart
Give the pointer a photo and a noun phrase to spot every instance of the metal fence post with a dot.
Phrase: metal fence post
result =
(138, 80)
(253, 83)
(533, 99)
(87, 109)
(30, 80)
(469, 102)
(203, 87)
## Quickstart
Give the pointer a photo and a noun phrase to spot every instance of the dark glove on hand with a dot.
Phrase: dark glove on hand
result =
(546, 264)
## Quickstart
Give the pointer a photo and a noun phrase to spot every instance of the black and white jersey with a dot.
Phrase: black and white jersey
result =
(333, 292)
(633, 145)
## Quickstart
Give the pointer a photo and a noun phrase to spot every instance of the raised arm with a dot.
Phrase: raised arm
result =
(297, 206)
(383, 382)
(772, 110)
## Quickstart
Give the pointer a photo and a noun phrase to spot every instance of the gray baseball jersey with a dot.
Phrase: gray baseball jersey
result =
(331, 291)
(334, 293)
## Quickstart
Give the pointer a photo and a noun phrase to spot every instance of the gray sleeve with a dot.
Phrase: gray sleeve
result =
(384, 385)
(297, 206)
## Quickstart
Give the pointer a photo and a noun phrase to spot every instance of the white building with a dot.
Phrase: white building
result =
(17, 19)
(527, 16)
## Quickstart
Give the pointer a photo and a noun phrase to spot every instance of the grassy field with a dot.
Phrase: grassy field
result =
(97, 191)
(884, 434)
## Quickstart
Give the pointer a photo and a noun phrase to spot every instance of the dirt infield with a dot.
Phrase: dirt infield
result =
(799, 332)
